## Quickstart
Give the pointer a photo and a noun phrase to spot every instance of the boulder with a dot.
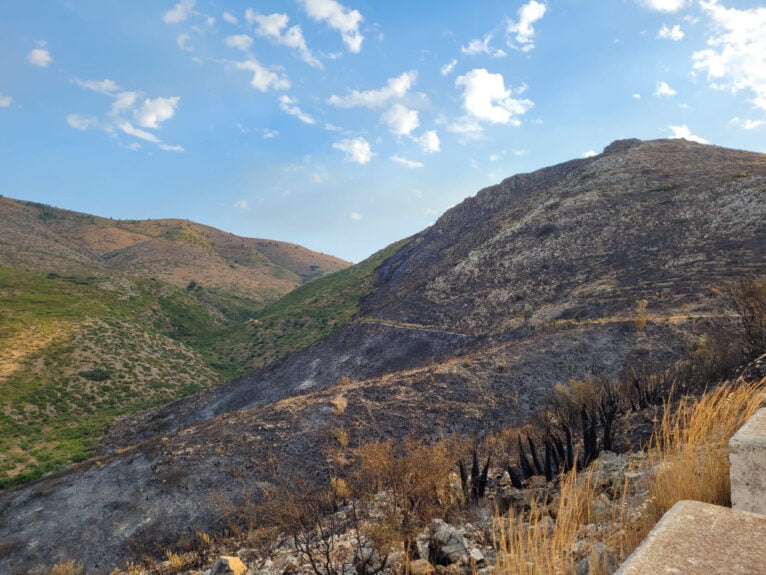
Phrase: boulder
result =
(446, 546)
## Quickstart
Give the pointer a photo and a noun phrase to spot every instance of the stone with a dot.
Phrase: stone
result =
(695, 538)
(747, 465)
(446, 545)
(226, 565)
(477, 557)
(421, 567)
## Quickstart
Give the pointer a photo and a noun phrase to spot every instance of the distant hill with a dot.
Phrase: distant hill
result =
(585, 269)
(47, 239)
(100, 318)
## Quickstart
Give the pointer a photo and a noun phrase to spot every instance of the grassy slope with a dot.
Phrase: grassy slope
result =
(298, 319)
(54, 332)
(155, 342)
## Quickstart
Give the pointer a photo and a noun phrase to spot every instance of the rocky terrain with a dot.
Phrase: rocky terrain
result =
(584, 269)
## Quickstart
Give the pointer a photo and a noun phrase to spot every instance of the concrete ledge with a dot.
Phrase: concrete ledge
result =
(747, 465)
(696, 538)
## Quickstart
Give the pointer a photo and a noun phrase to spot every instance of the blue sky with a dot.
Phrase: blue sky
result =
(346, 125)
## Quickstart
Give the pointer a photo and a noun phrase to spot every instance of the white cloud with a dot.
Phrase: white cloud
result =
(747, 124)
(664, 5)
(273, 26)
(230, 18)
(39, 57)
(401, 120)
(486, 98)
(395, 88)
(524, 29)
(134, 146)
(169, 148)
(685, 133)
(79, 122)
(636, 96)
(179, 12)
(288, 105)
(239, 42)
(242, 205)
(590, 154)
(183, 41)
(102, 87)
(268, 134)
(5, 101)
(664, 89)
(123, 101)
(446, 70)
(476, 47)
(339, 18)
(356, 216)
(674, 33)
(263, 78)
(357, 150)
(131, 130)
(407, 163)
(429, 141)
(736, 59)
(127, 108)
(153, 112)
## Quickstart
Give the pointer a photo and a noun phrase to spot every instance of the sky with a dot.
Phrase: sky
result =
(347, 125)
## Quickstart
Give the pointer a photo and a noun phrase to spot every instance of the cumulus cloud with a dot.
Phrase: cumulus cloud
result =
(429, 142)
(39, 57)
(664, 89)
(685, 133)
(407, 163)
(153, 112)
(394, 89)
(664, 5)
(523, 29)
(590, 154)
(476, 47)
(263, 78)
(239, 41)
(5, 101)
(242, 205)
(736, 58)
(338, 17)
(130, 113)
(179, 12)
(446, 70)
(274, 26)
(230, 18)
(356, 216)
(486, 98)
(401, 120)
(674, 33)
(356, 149)
(288, 105)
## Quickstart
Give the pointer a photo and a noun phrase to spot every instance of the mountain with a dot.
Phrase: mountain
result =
(589, 268)
(99, 318)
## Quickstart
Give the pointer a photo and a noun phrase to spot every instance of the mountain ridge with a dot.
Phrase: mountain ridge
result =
(468, 326)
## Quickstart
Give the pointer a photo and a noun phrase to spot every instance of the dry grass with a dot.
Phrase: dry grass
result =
(689, 460)
(67, 568)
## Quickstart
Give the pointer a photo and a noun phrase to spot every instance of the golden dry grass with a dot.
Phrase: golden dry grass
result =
(689, 460)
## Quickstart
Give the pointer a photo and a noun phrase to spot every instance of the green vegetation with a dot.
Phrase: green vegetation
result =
(298, 319)
(76, 352)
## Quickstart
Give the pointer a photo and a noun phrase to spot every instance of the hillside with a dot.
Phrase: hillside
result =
(592, 268)
(100, 318)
